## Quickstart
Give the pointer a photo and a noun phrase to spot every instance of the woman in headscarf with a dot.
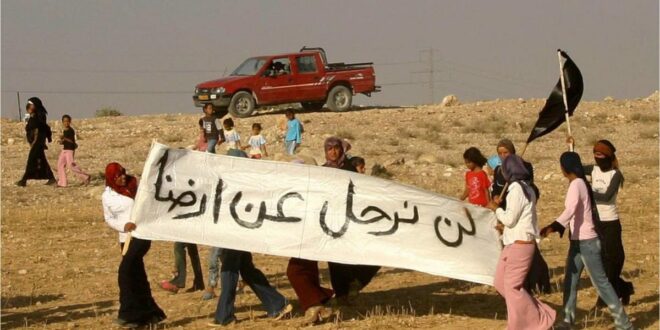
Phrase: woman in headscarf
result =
(519, 237)
(136, 305)
(347, 280)
(538, 277)
(581, 216)
(606, 179)
(37, 132)
(304, 274)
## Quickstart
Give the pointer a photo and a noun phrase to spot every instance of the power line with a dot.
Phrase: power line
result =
(40, 70)
(484, 73)
(100, 92)
(396, 63)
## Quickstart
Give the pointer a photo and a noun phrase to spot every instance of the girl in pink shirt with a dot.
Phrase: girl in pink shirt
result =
(581, 217)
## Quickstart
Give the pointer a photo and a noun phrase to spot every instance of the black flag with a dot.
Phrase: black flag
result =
(553, 111)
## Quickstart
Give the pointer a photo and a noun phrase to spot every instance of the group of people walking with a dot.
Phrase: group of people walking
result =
(594, 243)
(590, 214)
(38, 134)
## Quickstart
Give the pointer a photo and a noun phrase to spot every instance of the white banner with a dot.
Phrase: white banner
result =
(311, 212)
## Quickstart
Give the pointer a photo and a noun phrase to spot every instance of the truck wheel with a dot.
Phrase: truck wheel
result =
(339, 98)
(220, 112)
(241, 105)
(312, 106)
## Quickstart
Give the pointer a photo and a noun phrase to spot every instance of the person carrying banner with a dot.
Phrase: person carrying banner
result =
(37, 132)
(519, 237)
(538, 277)
(606, 180)
(136, 305)
(235, 262)
(179, 280)
(581, 216)
(347, 280)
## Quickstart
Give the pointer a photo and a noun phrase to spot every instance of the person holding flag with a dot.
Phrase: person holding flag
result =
(606, 180)
(581, 216)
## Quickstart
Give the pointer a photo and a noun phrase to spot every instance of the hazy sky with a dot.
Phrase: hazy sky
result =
(79, 56)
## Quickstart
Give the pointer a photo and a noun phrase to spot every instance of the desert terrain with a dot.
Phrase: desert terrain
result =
(60, 259)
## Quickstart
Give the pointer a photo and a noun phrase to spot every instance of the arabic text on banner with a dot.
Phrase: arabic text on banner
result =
(311, 212)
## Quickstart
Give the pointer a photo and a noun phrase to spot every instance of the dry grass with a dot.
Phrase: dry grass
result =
(345, 134)
(644, 117)
(70, 256)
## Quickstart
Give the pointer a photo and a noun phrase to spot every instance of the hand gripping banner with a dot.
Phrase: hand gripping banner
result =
(311, 212)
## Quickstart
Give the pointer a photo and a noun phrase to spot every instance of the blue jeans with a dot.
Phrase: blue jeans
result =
(290, 147)
(180, 261)
(211, 145)
(586, 253)
(233, 263)
(214, 266)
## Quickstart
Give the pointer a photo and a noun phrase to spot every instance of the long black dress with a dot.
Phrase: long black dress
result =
(37, 167)
(136, 304)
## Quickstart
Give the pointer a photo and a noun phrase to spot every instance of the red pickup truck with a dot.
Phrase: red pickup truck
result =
(304, 77)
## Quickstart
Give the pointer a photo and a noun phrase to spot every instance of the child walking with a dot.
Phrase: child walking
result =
(256, 143)
(476, 179)
(232, 138)
(209, 127)
(68, 142)
(294, 132)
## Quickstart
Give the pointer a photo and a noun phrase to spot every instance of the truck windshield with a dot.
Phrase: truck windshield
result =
(250, 67)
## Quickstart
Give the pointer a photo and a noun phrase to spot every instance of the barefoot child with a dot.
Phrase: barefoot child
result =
(68, 142)
(476, 179)
(256, 143)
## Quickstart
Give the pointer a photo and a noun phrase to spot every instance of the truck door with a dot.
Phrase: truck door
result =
(277, 82)
(308, 77)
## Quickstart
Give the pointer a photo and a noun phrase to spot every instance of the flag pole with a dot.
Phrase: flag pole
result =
(563, 93)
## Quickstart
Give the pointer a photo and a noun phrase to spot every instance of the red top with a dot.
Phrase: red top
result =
(477, 184)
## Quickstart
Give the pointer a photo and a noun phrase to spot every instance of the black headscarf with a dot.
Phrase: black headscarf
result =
(514, 170)
(39, 110)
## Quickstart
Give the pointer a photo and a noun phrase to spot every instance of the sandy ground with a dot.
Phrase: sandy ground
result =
(59, 258)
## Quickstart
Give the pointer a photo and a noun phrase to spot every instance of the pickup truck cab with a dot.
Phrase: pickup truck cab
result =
(303, 77)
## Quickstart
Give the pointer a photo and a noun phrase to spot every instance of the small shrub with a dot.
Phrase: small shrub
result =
(345, 134)
(432, 125)
(442, 142)
(173, 138)
(380, 171)
(108, 112)
(648, 134)
(393, 142)
(643, 117)
(409, 133)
